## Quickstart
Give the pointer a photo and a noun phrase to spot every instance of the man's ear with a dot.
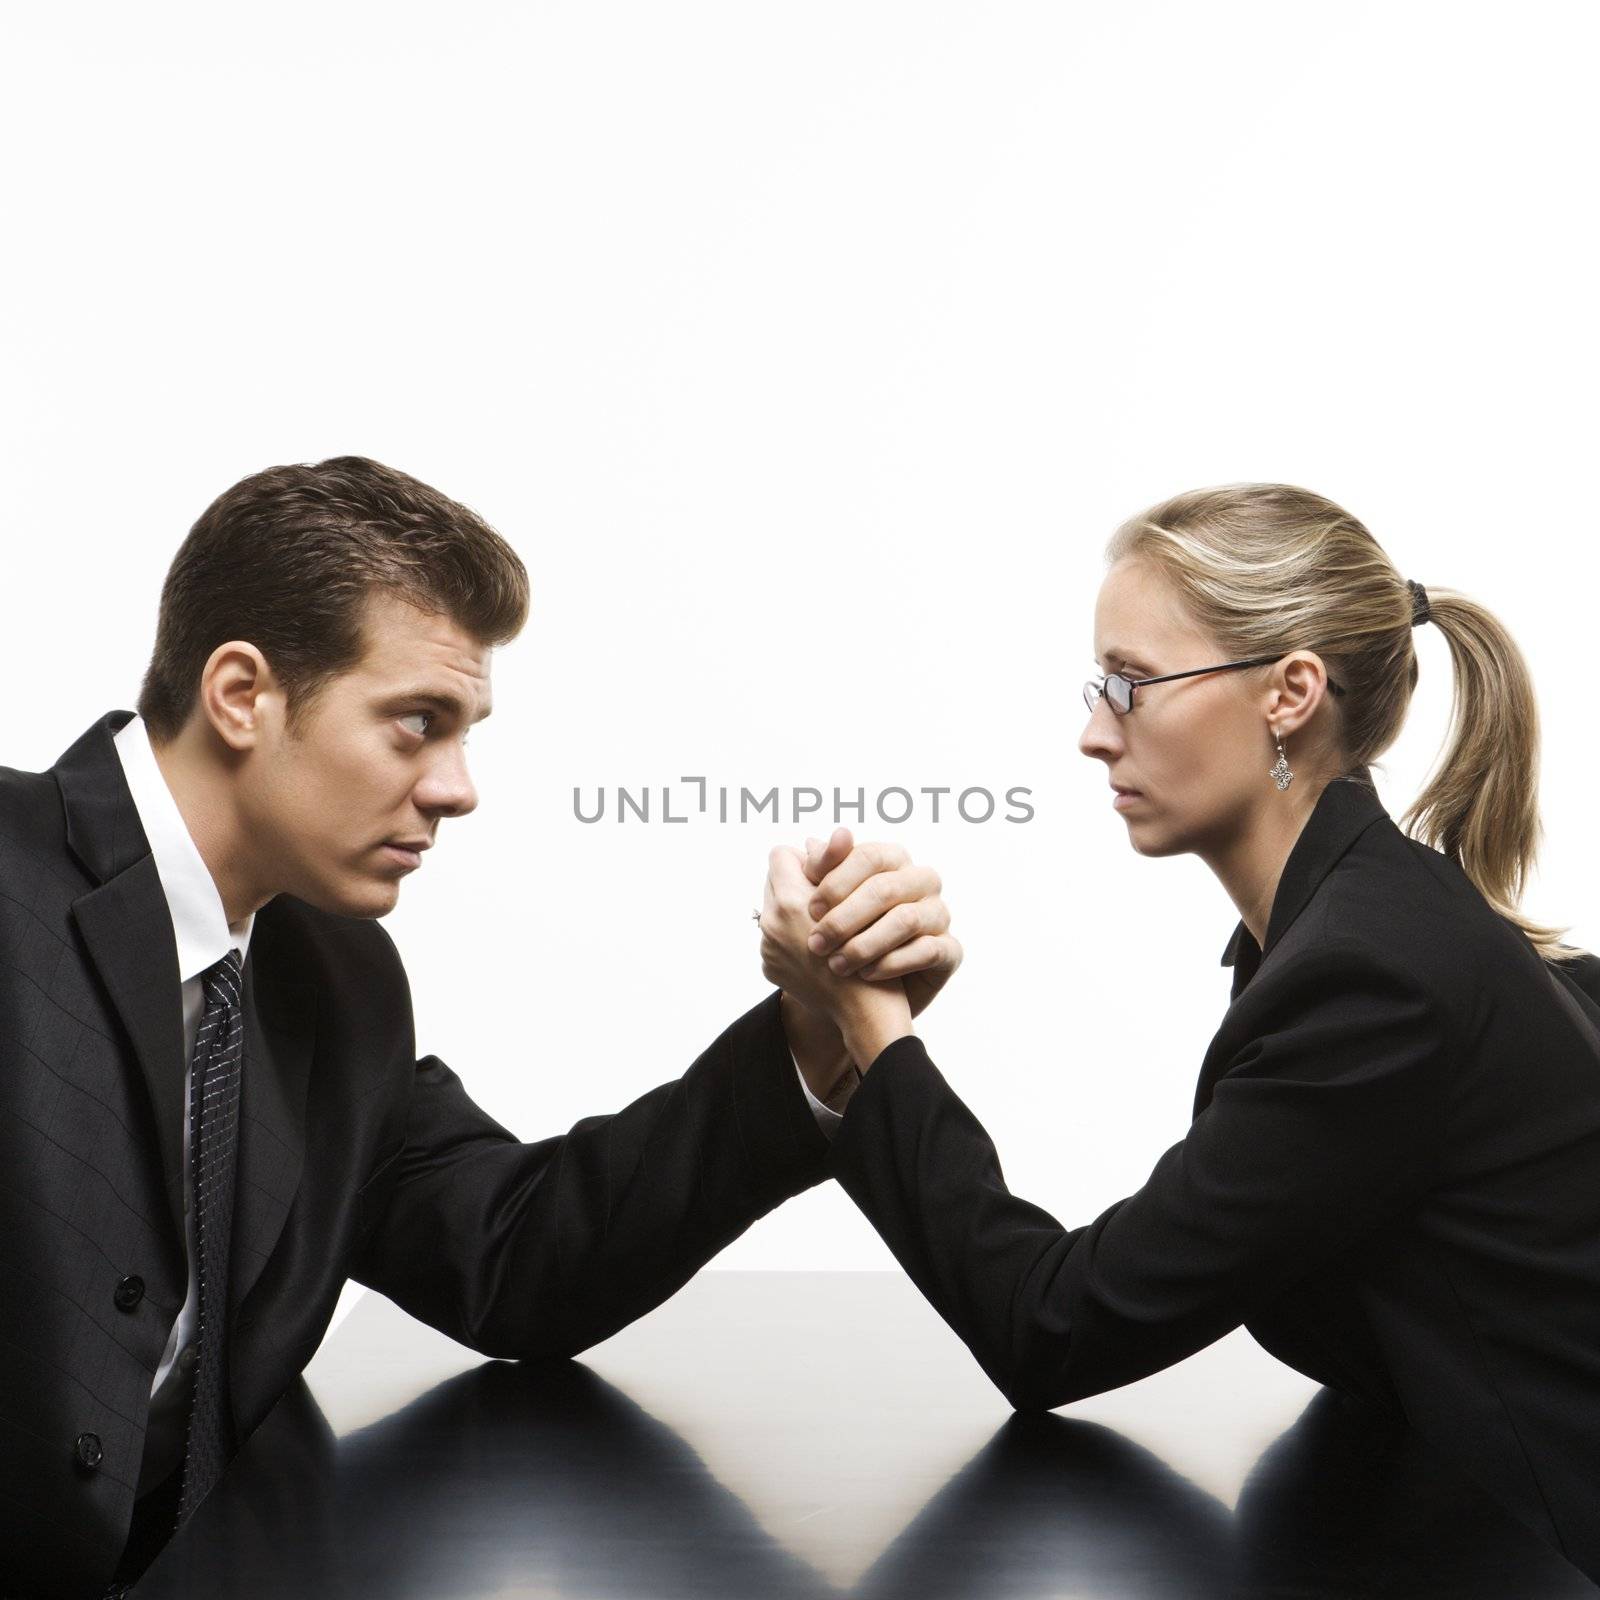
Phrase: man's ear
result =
(238, 694)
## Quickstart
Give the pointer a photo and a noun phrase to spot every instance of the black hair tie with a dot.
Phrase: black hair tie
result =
(1420, 611)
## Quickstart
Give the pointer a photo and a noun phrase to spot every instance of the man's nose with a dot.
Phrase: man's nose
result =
(448, 789)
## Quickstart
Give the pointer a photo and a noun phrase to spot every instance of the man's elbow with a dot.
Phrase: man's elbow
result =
(543, 1342)
(1033, 1385)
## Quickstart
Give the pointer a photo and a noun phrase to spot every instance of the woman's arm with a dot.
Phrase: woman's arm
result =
(1325, 1124)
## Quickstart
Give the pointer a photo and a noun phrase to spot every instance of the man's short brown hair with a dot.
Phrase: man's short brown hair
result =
(286, 560)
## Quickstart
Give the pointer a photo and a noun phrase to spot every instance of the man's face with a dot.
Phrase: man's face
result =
(376, 761)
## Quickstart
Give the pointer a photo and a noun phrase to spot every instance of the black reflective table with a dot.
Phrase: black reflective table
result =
(824, 1434)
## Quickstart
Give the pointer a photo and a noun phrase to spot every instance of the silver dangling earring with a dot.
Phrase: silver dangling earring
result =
(1280, 773)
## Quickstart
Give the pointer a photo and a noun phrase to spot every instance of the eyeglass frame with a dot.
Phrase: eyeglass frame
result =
(1095, 688)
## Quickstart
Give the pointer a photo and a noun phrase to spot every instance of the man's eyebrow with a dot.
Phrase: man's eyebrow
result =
(446, 703)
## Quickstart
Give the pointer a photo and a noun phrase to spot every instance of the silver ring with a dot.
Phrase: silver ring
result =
(755, 916)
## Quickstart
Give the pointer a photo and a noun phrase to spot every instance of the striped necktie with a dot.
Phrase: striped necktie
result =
(213, 1146)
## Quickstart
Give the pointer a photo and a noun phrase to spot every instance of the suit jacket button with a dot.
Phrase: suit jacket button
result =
(87, 1450)
(129, 1292)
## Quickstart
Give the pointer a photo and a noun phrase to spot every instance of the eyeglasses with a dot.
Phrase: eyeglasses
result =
(1118, 688)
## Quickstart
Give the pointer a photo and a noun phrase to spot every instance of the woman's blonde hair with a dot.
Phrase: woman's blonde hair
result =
(1266, 568)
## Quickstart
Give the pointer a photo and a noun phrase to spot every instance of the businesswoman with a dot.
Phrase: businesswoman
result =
(1392, 1176)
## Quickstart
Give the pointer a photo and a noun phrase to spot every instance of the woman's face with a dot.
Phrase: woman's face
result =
(1197, 750)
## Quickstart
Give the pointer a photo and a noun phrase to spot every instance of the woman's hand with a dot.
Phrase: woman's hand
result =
(879, 916)
(868, 1015)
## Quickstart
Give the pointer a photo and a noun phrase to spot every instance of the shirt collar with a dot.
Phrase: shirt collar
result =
(1344, 810)
(200, 926)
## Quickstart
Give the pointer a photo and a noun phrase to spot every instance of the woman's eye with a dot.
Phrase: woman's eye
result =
(416, 716)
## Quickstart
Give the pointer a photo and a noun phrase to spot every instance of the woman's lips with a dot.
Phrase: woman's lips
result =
(1125, 797)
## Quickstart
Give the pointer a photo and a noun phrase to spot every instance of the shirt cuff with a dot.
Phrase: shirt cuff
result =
(827, 1118)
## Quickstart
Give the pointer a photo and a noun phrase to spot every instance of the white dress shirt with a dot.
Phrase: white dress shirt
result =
(204, 935)
(827, 1118)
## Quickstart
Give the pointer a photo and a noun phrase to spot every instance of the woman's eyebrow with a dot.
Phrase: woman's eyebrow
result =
(1122, 660)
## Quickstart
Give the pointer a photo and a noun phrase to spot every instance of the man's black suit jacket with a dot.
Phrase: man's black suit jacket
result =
(357, 1160)
(1392, 1178)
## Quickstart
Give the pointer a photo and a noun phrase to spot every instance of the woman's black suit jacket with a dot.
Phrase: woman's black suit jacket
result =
(1392, 1179)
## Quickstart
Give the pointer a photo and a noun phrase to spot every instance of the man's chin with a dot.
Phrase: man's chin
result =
(380, 901)
(374, 898)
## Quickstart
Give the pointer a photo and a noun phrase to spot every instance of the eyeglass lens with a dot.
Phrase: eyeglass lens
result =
(1116, 688)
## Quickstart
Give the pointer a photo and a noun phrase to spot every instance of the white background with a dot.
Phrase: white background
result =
(808, 355)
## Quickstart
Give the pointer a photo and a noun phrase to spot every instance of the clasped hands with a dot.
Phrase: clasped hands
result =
(857, 938)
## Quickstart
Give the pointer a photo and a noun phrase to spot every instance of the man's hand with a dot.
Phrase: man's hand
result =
(879, 917)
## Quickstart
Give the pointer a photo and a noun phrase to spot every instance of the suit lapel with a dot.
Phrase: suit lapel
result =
(128, 934)
(1345, 809)
(127, 931)
(1243, 954)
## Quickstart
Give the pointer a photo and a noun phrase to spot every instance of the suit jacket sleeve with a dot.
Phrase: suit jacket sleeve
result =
(544, 1248)
(1322, 1125)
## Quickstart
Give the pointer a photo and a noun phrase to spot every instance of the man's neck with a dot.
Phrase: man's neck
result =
(204, 799)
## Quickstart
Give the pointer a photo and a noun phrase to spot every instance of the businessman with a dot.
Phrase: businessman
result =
(211, 1106)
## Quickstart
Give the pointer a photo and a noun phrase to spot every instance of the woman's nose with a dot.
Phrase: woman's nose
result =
(1101, 732)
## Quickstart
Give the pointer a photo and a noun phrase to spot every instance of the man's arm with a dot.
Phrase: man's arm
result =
(545, 1248)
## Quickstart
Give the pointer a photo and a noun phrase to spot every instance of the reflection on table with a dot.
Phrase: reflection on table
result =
(817, 1434)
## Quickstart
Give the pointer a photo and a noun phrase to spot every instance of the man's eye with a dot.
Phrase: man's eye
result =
(425, 716)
